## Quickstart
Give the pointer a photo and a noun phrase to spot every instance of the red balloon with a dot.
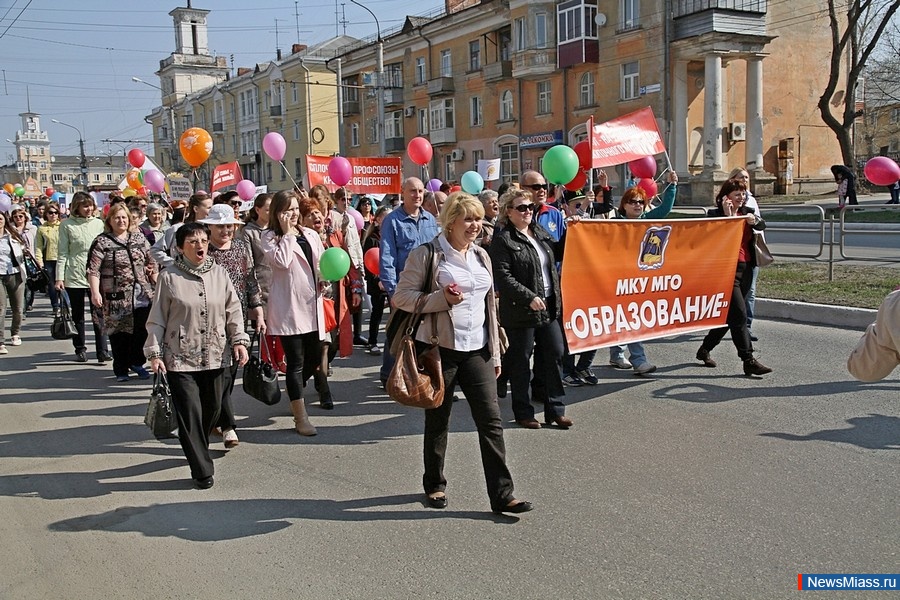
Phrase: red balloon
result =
(583, 150)
(649, 186)
(882, 170)
(419, 151)
(136, 157)
(371, 260)
(578, 183)
(643, 167)
(455, 188)
(49, 191)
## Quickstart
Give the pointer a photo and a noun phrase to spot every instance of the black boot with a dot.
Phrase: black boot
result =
(705, 358)
(754, 367)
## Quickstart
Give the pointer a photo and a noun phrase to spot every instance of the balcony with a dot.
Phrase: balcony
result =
(533, 64)
(393, 96)
(351, 107)
(440, 86)
(697, 17)
(218, 127)
(442, 136)
(275, 111)
(394, 144)
(502, 69)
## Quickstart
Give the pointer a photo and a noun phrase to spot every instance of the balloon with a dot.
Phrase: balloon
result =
(20, 191)
(134, 179)
(881, 170)
(472, 182)
(56, 196)
(583, 152)
(136, 157)
(371, 259)
(10, 188)
(643, 167)
(340, 170)
(455, 188)
(434, 185)
(578, 183)
(49, 191)
(649, 186)
(357, 218)
(274, 145)
(560, 164)
(419, 150)
(334, 264)
(196, 146)
(246, 189)
(155, 181)
(6, 204)
(128, 192)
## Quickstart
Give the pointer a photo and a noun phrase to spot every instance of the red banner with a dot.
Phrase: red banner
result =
(627, 138)
(628, 281)
(225, 175)
(370, 175)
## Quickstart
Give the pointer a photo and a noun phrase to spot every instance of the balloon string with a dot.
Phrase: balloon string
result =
(288, 173)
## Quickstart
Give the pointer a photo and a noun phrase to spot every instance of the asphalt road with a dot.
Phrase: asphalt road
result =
(692, 483)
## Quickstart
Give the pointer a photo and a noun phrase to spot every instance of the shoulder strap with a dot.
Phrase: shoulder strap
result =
(429, 269)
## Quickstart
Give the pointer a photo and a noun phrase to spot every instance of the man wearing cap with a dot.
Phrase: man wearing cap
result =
(548, 217)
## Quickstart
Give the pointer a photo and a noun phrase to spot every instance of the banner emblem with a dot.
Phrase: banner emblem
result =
(653, 248)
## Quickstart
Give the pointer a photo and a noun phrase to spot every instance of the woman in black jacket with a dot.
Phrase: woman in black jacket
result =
(524, 257)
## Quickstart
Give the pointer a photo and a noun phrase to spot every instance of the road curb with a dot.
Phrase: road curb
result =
(819, 314)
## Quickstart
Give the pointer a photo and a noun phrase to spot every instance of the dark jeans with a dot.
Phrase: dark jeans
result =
(375, 317)
(128, 348)
(302, 354)
(547, 341)
(474, 372)
(198, 398)
(77, 297)
(50, 265)
(585, 360)
(226, 415)
(737, 316)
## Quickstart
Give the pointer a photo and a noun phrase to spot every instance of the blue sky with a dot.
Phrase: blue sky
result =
(76, 58)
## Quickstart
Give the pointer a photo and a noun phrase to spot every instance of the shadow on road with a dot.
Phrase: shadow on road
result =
(874, 432)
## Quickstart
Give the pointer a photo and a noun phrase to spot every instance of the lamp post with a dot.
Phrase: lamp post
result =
(84, 166)
(172, 153)
(379, 83)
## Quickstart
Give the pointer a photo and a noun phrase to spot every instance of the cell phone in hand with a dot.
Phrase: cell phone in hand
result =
(453, 288)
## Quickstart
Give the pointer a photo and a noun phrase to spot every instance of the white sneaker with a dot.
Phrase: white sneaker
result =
(644, 369)
(620, 363)
(3, 349)
(229, 436)
(15, 341)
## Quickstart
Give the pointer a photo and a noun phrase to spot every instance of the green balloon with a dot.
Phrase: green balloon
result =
(20, 191)
(560, 165)
(334, 264)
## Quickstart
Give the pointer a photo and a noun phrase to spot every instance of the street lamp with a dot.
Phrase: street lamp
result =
(171, 111)
(84, 167)
(379, 84)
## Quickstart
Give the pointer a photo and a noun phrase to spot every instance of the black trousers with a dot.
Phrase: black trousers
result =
(375, 316)
(198, 398)
(474, 372)
(77, 300)
(546, 342)
(128, 348)
(737, 316)
(302, 353)
(226, 415)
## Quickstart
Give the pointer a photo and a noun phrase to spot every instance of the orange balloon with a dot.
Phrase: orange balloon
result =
(134, 179)
(196, 146)
(10, 188)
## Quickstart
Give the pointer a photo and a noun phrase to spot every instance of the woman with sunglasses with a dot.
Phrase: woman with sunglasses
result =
(46, 249)
(524, 258)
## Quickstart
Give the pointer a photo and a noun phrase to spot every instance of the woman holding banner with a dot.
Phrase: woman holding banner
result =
(730, 202)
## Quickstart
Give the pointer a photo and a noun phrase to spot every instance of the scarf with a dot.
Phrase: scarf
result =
(198, 271)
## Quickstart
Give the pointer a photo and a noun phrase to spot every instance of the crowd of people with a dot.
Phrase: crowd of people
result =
(184, 287)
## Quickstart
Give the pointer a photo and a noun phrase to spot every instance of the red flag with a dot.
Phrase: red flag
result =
(624, 139)
(225, 175)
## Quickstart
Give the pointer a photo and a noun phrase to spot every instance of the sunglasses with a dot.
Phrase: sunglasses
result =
(524, 208)
(537, 186)
(635, 202)
(52, 212)
(235, 203)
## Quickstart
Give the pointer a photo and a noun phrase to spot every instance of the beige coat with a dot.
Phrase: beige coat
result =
(409, 290)
(878, 351)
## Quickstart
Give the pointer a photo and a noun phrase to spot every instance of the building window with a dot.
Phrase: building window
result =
(351, 92)
(109, 177)
(630, 88)
(96, 177)
(586, 90)
(268, 171)
(520, 34)
(354, 134)
(474, 55)
(475, 112)
(446, 64)
(296, 129)
(234, 147)
(449, 168)
(187, 121)
(295, 94)
(506, 106)
(477, 155)
(298, 168)
(505, 42)
(540, 30)
(420, 70)
(629, 14)
(509, 161)
(895, 115)
(57, 177)
(393, 75)
(423, 121)
(576, 21)
(441, 114)
(393, 124)
(544, 99)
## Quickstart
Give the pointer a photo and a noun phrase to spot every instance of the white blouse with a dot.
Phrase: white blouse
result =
(475, 282)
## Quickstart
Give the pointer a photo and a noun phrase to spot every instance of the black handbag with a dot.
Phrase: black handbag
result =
(401, 321)
(63, 327)
(260, 376)
(161, 417)
(37, 279)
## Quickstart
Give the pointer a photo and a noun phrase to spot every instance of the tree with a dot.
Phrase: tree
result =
(863, 22)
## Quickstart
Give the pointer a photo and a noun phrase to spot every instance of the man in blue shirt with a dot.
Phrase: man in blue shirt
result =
(548, 217)
(402, 230)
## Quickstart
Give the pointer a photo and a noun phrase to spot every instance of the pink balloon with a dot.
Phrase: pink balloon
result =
(643, 167)
(274, 145)
(882, 170)
(649, 186)
(154, 181)
(434, 185)
(246, 189)
(419, 150)
(340, 170)
(357, 218)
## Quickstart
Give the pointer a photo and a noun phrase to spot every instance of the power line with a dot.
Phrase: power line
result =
(16, 19)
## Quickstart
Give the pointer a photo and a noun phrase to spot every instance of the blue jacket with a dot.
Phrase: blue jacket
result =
(400, 234)
(552, 220)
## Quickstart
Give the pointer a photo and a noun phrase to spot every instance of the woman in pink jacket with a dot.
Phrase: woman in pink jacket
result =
(294, 310)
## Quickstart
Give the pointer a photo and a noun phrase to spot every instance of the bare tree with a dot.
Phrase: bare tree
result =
(856, 28)
(883, 73)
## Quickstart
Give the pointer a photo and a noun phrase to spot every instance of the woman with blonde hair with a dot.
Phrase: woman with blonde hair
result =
(46, 249)
(461, 314)
(12, 280)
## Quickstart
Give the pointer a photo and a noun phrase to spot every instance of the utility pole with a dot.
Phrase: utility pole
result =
(379, 83)
(84, 164)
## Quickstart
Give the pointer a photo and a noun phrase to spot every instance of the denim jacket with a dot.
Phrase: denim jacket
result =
(400, 234)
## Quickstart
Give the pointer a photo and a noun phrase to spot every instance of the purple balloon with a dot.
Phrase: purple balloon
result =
(246, 189)
(340, 170)
(434, 185)
(154, 181)
(5, 203)
(274, 145)
(357, 217)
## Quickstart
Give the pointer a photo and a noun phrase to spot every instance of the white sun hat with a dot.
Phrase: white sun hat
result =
(221, 214)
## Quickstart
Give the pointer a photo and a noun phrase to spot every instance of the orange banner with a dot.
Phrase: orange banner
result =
(622, 140)
(629, 281)
(370, 175)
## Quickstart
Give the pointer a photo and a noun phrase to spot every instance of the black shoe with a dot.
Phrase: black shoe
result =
(753, 338)
(81, 356)
(360, 341)
(703, 355)
(205, 483)
(435, 501)
(325, 400)
(754, 367)
(521, 506)
(103, 357)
